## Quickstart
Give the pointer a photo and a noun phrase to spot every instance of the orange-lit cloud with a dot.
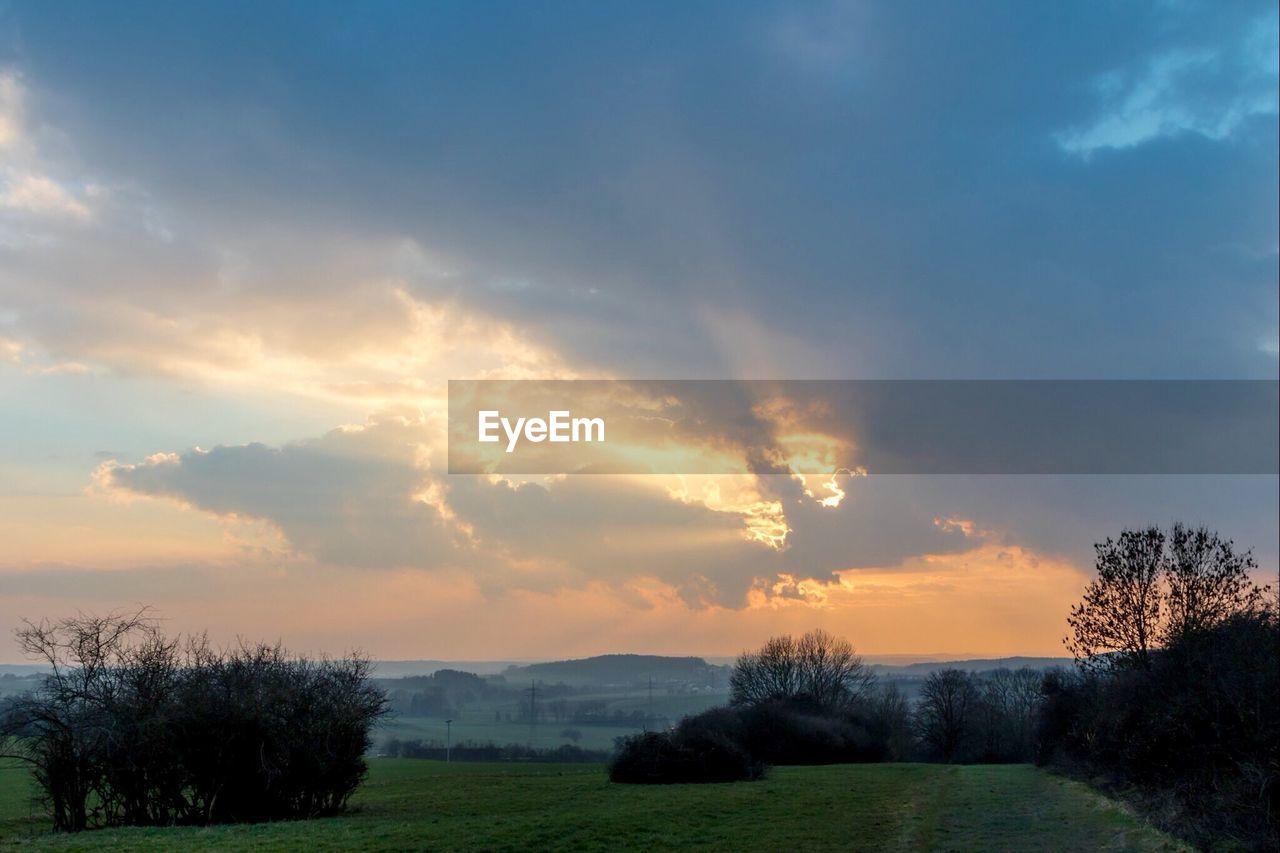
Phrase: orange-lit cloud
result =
(991, 601)
(132, 313)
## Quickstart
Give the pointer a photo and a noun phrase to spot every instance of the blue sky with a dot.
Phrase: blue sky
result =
(227, 224)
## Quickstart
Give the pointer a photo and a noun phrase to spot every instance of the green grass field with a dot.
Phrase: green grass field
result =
(408, 804)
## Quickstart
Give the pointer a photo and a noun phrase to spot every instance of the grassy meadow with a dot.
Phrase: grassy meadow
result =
(408, 804)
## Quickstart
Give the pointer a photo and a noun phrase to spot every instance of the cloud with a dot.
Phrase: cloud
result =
(843, 192)
(339, 324)
(348, 498)
(374, 496)
(118, 282)
(11, 97)
(1209, 92)
(39, 194)
(688, 213)
(822, 38)
(26, 190)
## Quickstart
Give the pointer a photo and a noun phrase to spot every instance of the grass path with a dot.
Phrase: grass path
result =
(409, 805)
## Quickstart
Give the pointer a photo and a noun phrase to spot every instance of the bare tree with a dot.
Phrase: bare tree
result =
(1118, 619)
(1207, 582)
(1007, 712)
(1023, 698)
(891, 714)
(818, 667)
(1154, 588)
(771, 672)
(944, 715)
(68, 731)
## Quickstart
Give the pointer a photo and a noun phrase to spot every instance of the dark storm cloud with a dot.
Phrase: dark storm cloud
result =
(714, 190)
(901, 188)
(877, 426)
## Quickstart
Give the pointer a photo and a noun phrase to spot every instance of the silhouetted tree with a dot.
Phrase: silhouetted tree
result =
(66, 731)
(1207, 582)
(944, 715)
(889, 717)
(818, 668)
(1197, 732)
(132, 727)
(1176, 694)
(1152, 589)
(1006, 712)
(1118, 618)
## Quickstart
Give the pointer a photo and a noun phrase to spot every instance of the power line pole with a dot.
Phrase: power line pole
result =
(533, 710)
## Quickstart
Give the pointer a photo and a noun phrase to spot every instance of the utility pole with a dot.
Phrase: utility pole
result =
(533, 710)
(448, 741)
(650, 717)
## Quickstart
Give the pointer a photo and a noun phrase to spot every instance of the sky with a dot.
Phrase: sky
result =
(243, 248)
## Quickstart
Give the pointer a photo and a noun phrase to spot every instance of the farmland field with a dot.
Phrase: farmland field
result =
(478, 729)
(500, 722)
(408, 804)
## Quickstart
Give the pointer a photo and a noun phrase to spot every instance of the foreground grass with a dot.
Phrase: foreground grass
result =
(408, 804)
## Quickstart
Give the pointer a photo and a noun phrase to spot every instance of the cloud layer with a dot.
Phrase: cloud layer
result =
(280, 248)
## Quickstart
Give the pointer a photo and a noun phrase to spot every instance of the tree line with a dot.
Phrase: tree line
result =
(1173, 701)
(812, 700)
(473, 751)
(1176, 699)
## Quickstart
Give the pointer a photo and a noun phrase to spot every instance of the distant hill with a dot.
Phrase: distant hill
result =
(22, 670)
(402, 668)
(638, 669)
(923, 668)
(624, 669)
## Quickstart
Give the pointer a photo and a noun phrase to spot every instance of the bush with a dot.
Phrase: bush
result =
(265, 737)
(796, 732)
(737, 743)
(133, 728)
(693, 755)
(1196, 732)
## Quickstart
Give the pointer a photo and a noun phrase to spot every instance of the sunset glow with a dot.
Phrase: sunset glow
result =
(228, 322)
